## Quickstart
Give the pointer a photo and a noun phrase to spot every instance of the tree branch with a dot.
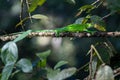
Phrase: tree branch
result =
(117, 72)
(62, 34)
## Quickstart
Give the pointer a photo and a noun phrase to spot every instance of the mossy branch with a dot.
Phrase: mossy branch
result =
(62, 34)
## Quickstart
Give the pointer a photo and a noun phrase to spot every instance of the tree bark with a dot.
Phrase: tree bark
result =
(62, 34)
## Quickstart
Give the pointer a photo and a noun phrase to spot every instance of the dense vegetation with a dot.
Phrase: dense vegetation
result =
(41, 40)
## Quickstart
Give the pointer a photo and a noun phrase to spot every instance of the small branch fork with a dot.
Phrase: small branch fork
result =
(62, 34)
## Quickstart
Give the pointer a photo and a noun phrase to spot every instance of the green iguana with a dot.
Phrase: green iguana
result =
(70, 28)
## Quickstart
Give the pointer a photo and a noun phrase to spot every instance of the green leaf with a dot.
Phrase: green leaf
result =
(41, 2)
(25, 65)
(82, 20)
(65, 73)
(86, 7)
(71, 1)
(79, 21)
(60, 63)
(22, 36)
(104, 52)
(9, 53)
(7, 70)
(39, 16)
(35, 4)
(94, 66)
(42, 63)
(52, 73)
(96, 53)
(43, 55)
(104, 73)
(98, 23)
(111, 48)
(43, 58)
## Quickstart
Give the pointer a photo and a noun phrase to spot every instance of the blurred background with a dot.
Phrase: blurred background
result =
(60, 13)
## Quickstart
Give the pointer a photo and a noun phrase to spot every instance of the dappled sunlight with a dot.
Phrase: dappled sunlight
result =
(15, 9)
(65, 51)
(41, 41)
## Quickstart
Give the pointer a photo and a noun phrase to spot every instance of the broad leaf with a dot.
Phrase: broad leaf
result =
(41, 2)
(42, 58)
(43, 55)
(7, 70)
(22, 36)
(59, 64)
(104, 73)
(25, 65)
(79, 21)
(63, 74)
(66, 73)
(104, 52)
(71, 1)
(111, 48)
(98, 23)
(52, 73)
(96, 53)
(9, 53)
(39, 16)
(94, 66)
(42, 63)
(35, 4)
(86, 8)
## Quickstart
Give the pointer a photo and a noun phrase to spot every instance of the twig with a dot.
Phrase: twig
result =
(90, 63)
(95, 2)
(21, 2)
(83, 67)
(93, 47)
(107, 15)
(62, 34)
(27, 3)
(116, 72)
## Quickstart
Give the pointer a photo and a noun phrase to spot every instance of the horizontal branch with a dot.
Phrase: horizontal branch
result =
(62, 34)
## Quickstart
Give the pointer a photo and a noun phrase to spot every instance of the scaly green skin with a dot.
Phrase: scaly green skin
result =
(70, 28)
(74, 28)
